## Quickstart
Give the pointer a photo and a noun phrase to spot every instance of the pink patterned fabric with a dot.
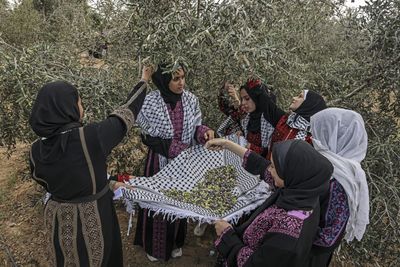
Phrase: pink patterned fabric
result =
(245, 157)
(272, 220)
(176, 115)
(200, 131)
(268, 179)
(301, 214)
(159, 233)
(336, 216)
(177, 146)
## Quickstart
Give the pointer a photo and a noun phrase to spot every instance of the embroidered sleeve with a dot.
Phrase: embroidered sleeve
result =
(245, 157)
(129, 111)
(336, 217)
(200, 131)
(267, 177)
(126, 115)
(176, 147)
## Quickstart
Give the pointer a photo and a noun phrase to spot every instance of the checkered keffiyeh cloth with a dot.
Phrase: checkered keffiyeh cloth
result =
(298, 122)
(183, 173)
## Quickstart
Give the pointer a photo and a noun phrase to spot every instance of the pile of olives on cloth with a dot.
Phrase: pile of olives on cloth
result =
(213, 193)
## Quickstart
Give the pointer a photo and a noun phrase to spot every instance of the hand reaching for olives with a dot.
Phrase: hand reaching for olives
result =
(216, 144)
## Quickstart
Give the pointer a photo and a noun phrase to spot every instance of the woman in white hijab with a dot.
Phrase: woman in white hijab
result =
(340, 135)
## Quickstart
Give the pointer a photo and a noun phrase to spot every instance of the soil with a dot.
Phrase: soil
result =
(22, 241)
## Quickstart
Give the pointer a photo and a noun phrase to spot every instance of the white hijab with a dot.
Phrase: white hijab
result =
(340, 136)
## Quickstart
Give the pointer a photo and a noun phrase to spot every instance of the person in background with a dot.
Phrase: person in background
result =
(280, 232)
(340, 136)
(245, 116)
(296, 123)
(69, 161)
(171, 121)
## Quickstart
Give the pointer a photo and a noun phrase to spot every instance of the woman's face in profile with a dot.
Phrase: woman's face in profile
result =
(278, 181)
(297, 101)
(248, 104)
(177, 83)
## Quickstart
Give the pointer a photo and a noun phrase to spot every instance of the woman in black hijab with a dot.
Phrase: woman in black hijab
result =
(69, 161)
(248, 117)
(280, 232)
(296, 123)
(171, 122)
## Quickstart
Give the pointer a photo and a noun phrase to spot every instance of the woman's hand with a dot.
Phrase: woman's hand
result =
(220, 226)
(220, 143)
(209, 135)
(117, 185)
(147, 71)
(232, 94)
(216, 144)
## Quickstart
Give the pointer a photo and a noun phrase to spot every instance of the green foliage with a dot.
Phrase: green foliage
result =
(350, 56)
(22, 26)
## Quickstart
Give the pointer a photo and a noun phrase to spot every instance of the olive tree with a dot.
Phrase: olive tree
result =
(351, 56)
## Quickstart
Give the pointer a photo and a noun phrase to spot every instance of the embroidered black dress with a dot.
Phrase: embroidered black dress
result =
(80, 218)
(281, 231)
(255, 128)
(171, 123)
(155, 234)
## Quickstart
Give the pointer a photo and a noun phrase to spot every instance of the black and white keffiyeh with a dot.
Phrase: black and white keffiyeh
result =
(229, 126)
(296, 121)
(183, 173)
(266, 129)
(154, 118)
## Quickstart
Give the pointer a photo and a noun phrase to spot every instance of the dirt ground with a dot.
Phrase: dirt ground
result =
(22, 241)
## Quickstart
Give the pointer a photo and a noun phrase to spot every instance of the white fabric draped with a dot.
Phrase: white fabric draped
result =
(340, 136)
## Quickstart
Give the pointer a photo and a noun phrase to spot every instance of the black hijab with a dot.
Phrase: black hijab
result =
(254, 89)
(305, 172)
(55, 110)
(311, 105)
(161, 78)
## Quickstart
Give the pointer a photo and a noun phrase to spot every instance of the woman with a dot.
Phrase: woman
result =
(171, 122)
(340, 136)
(247, 117)
(296, 124)
(280, 232)
(69, 161)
